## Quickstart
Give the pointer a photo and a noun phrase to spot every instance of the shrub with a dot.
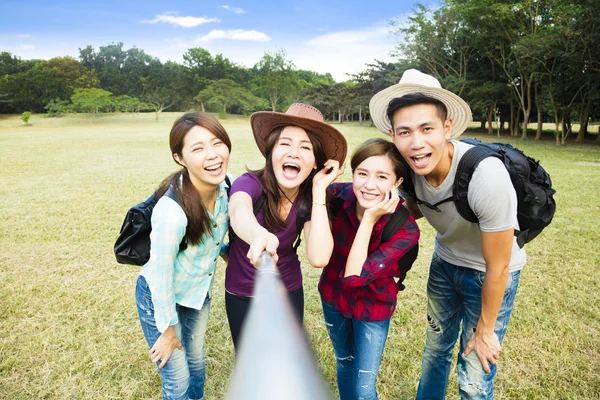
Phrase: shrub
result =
(25, 117)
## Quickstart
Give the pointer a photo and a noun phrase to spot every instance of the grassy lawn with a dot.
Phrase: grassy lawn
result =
(68, 322)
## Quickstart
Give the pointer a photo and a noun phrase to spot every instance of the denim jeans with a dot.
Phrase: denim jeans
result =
(358, 347)
(454, 297)
(184, 374)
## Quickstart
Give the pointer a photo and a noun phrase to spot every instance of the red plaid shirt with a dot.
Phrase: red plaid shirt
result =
(372, 295)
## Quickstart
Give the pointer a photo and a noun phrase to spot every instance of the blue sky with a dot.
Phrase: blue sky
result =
(324, 36)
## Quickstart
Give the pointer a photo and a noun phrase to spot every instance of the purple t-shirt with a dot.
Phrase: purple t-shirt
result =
(240, 274)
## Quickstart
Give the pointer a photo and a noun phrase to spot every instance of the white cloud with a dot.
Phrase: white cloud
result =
(236, 34)
(235, 10)
(345, 38)
(344, 52)
(27, 47)
(15, 36)
(184, 22)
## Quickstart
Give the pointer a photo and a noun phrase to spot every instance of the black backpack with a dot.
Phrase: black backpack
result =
(536, 205)
(133, 244)
(398, 218)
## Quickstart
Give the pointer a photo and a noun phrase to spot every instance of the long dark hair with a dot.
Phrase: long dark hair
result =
(198, 221)
(271, 189)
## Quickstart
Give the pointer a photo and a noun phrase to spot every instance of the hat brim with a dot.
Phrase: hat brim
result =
(458, 110)
(334, 143)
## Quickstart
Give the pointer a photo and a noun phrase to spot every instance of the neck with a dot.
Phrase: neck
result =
(289, 194)
(441, 170)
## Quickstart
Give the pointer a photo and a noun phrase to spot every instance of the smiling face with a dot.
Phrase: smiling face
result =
(293, 158)
(372, 179)
(421, 137)
(205, 156)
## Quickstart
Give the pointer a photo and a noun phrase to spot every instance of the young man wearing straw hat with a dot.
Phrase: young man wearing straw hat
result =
(474, 271)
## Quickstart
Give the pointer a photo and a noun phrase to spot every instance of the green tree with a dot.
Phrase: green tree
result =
(227, 94)
(91, 100)
(25, 117)
(276, 77)
(56, 107)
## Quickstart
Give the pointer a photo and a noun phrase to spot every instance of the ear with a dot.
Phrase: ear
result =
(391, 132)
(178, 160)
(448, 129)
(398, 182)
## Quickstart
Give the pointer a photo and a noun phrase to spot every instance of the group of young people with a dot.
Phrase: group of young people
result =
(474, 270)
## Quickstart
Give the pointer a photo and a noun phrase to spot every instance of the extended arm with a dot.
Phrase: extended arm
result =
(246, 227)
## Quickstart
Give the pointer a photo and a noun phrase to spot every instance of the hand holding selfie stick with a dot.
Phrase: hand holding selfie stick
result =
(274, 361)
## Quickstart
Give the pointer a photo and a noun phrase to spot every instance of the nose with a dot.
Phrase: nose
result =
(211, 152)
(370, 182)
(294, 150)
(417, 141)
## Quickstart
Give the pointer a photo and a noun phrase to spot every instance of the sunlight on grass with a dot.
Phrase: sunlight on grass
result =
(68, 322)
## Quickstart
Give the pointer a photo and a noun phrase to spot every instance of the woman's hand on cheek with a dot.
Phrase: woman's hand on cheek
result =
(386, 206)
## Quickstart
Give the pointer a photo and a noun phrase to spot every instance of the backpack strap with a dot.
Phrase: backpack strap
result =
(172, 194)
(227, 184)
(398, 218)
(258, 204)
(464, 172)
(408, 187)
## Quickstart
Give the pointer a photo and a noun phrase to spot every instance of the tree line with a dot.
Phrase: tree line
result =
(514, 61)
(518, 61)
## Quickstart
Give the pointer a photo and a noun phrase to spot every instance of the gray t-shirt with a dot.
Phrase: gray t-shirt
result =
(492, 198)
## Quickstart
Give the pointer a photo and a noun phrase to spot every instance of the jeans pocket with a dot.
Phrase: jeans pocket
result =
(479, 277)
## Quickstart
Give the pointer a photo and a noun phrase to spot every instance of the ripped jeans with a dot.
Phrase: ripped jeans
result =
(454, 297)
(184, 374)
(358, 347)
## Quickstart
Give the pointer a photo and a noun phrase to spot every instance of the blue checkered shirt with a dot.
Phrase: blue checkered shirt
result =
(182, 277)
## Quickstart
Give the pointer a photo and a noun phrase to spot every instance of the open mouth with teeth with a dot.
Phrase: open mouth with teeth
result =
(421, 160)
(291, 170)
(369, 196)
(214, 169)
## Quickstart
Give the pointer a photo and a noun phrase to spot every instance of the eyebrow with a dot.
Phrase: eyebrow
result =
(408, 128)
(289, 138)
(377, 172)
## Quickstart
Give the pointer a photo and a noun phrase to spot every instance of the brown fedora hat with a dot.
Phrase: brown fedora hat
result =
(306, 117)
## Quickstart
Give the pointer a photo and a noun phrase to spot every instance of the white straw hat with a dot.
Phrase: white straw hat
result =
(412, 82)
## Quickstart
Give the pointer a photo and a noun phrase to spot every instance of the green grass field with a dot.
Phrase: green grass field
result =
(68, 321)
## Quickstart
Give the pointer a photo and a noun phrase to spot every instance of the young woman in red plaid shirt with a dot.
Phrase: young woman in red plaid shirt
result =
(360, 283)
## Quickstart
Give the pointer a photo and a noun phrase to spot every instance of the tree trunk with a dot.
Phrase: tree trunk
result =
(360, 117)
(340, 116)
(567, 126)
(584, 117)
(490, 119)
(512, 124)
(202, 106)
(538, 133)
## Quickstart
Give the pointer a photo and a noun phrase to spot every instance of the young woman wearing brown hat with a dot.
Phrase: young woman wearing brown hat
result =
(303, 156)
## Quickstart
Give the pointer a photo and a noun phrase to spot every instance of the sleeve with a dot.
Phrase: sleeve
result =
(384, 261)
(492, 196)
(168, 229)
(247, 183)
